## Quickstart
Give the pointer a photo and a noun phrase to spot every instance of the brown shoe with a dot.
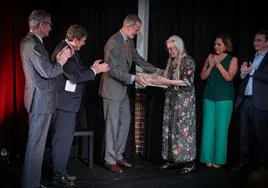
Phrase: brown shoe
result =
(124, 163)
(114, 168)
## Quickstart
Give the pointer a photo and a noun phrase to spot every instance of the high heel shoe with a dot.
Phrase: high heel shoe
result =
(187, 169)
(209, 165)
(216, 166)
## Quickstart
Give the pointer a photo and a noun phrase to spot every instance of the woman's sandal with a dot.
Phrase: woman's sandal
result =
(188, 169)
(216, 166)
(209, 165)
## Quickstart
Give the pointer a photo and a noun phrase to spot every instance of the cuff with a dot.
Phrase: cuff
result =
(93, 71)
(132, 79)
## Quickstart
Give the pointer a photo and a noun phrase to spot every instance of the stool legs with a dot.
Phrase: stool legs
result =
(90, 139)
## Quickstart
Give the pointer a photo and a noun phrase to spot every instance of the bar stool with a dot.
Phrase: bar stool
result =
(90, 138)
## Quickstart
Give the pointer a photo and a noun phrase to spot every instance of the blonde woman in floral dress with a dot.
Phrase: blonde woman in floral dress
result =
(179, 118)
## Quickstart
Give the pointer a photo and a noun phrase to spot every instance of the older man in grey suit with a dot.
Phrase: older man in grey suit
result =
(120, 53)
(40, 92)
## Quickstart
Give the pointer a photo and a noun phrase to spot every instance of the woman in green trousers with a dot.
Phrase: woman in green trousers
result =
(219, 70)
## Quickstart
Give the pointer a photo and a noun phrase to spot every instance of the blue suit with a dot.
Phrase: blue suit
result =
(254, 117)
(68, 104)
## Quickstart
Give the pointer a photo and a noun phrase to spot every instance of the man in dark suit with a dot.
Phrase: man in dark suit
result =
(253, 103)
(120, 53)
(70, 87)
(40, 92)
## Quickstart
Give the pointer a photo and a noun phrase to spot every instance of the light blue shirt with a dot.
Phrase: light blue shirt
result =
(256, 63)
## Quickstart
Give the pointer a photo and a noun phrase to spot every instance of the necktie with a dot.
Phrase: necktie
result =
(127, 46)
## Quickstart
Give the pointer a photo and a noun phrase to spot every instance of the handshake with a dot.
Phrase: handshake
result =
(156, 80)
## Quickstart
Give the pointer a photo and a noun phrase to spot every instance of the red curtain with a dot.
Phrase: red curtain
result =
(12, 113)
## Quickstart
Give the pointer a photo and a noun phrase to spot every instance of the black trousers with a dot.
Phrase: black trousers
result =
(62, 137)
(253, 134)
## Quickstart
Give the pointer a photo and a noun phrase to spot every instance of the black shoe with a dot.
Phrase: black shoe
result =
(187, 169)
(64, 182)
(241, 167)
(167, 165)
(42, 186)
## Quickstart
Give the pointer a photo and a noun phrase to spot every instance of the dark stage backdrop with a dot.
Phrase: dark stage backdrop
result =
(194, 21)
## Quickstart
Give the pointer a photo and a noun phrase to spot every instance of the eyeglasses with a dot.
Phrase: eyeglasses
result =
(48, 23)
(172, 49)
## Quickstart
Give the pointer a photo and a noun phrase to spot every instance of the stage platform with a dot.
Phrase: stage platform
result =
(143, 175)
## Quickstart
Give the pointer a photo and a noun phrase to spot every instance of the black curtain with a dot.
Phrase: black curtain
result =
(198, 23)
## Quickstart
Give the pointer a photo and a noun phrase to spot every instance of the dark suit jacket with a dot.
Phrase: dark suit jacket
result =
(75, 72)
(40, 76)
(114, 83)
(260, 87)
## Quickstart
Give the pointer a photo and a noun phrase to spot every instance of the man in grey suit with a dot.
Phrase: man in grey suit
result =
(40, 92)
(120, 53)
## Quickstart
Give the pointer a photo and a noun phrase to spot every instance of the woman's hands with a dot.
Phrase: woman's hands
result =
(161, 80)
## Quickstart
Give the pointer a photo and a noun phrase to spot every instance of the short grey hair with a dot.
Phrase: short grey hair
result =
(36, 17)
(179, 44)
(131, 19)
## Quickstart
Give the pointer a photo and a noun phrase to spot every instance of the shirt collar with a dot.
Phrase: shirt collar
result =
(68, 42)
(40, 38)
(124, 35)
(261, 53)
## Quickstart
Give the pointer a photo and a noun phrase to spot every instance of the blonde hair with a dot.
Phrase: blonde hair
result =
(179, 45)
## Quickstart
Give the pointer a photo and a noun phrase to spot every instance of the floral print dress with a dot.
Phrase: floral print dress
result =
(179, 118)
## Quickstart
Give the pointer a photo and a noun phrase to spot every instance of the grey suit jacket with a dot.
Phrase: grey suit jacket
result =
(114, 83)
(40, 76)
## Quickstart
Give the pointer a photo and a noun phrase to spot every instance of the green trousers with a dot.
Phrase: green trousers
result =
(216, 120)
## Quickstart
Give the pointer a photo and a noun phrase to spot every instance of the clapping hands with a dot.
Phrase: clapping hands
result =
(245, 69)
(64, 55)
(100, 67)
(214, 60)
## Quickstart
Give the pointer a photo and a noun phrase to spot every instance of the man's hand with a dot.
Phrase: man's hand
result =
(64, 55)
(245, 69)
(140, 80)
(103, 67)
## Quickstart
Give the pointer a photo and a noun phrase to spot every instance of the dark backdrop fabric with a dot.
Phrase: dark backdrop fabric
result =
(197, 22)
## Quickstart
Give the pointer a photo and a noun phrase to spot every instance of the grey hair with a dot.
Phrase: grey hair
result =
(131, 19)
(36, 17)
(179, 44)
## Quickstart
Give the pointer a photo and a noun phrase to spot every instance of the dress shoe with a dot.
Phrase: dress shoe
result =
(42, 186)
(188, 168)
(114, 168)
(241, 167)
(124, 163)
(167, 165)
(64, 182)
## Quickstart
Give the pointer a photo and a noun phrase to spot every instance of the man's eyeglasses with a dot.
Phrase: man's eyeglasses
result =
(48, 23)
